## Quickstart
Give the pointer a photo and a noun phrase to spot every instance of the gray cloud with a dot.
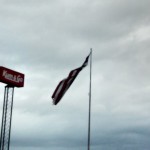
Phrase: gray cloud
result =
(46, 40)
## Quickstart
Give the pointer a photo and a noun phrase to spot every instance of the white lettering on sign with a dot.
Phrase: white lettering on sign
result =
(15, 78)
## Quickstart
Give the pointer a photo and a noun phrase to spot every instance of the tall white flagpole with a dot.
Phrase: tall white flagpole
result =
(89, 117)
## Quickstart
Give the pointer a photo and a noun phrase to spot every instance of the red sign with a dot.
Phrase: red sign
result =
(11, 77)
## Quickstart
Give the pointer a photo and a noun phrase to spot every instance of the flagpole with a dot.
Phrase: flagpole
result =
(89, 117)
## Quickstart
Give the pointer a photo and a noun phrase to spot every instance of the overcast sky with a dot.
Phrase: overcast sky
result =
(45, 40)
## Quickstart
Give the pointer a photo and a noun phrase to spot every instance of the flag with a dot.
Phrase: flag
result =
(64, 85)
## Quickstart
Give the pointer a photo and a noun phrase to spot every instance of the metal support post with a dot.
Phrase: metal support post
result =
(6, 118)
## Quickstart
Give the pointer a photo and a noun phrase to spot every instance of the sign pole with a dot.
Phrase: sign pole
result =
(12, 79)
(6, 118)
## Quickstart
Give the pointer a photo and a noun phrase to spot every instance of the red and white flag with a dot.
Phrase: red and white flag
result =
(64, 85)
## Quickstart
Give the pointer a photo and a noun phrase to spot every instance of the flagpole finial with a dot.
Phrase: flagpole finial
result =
(90, 50)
